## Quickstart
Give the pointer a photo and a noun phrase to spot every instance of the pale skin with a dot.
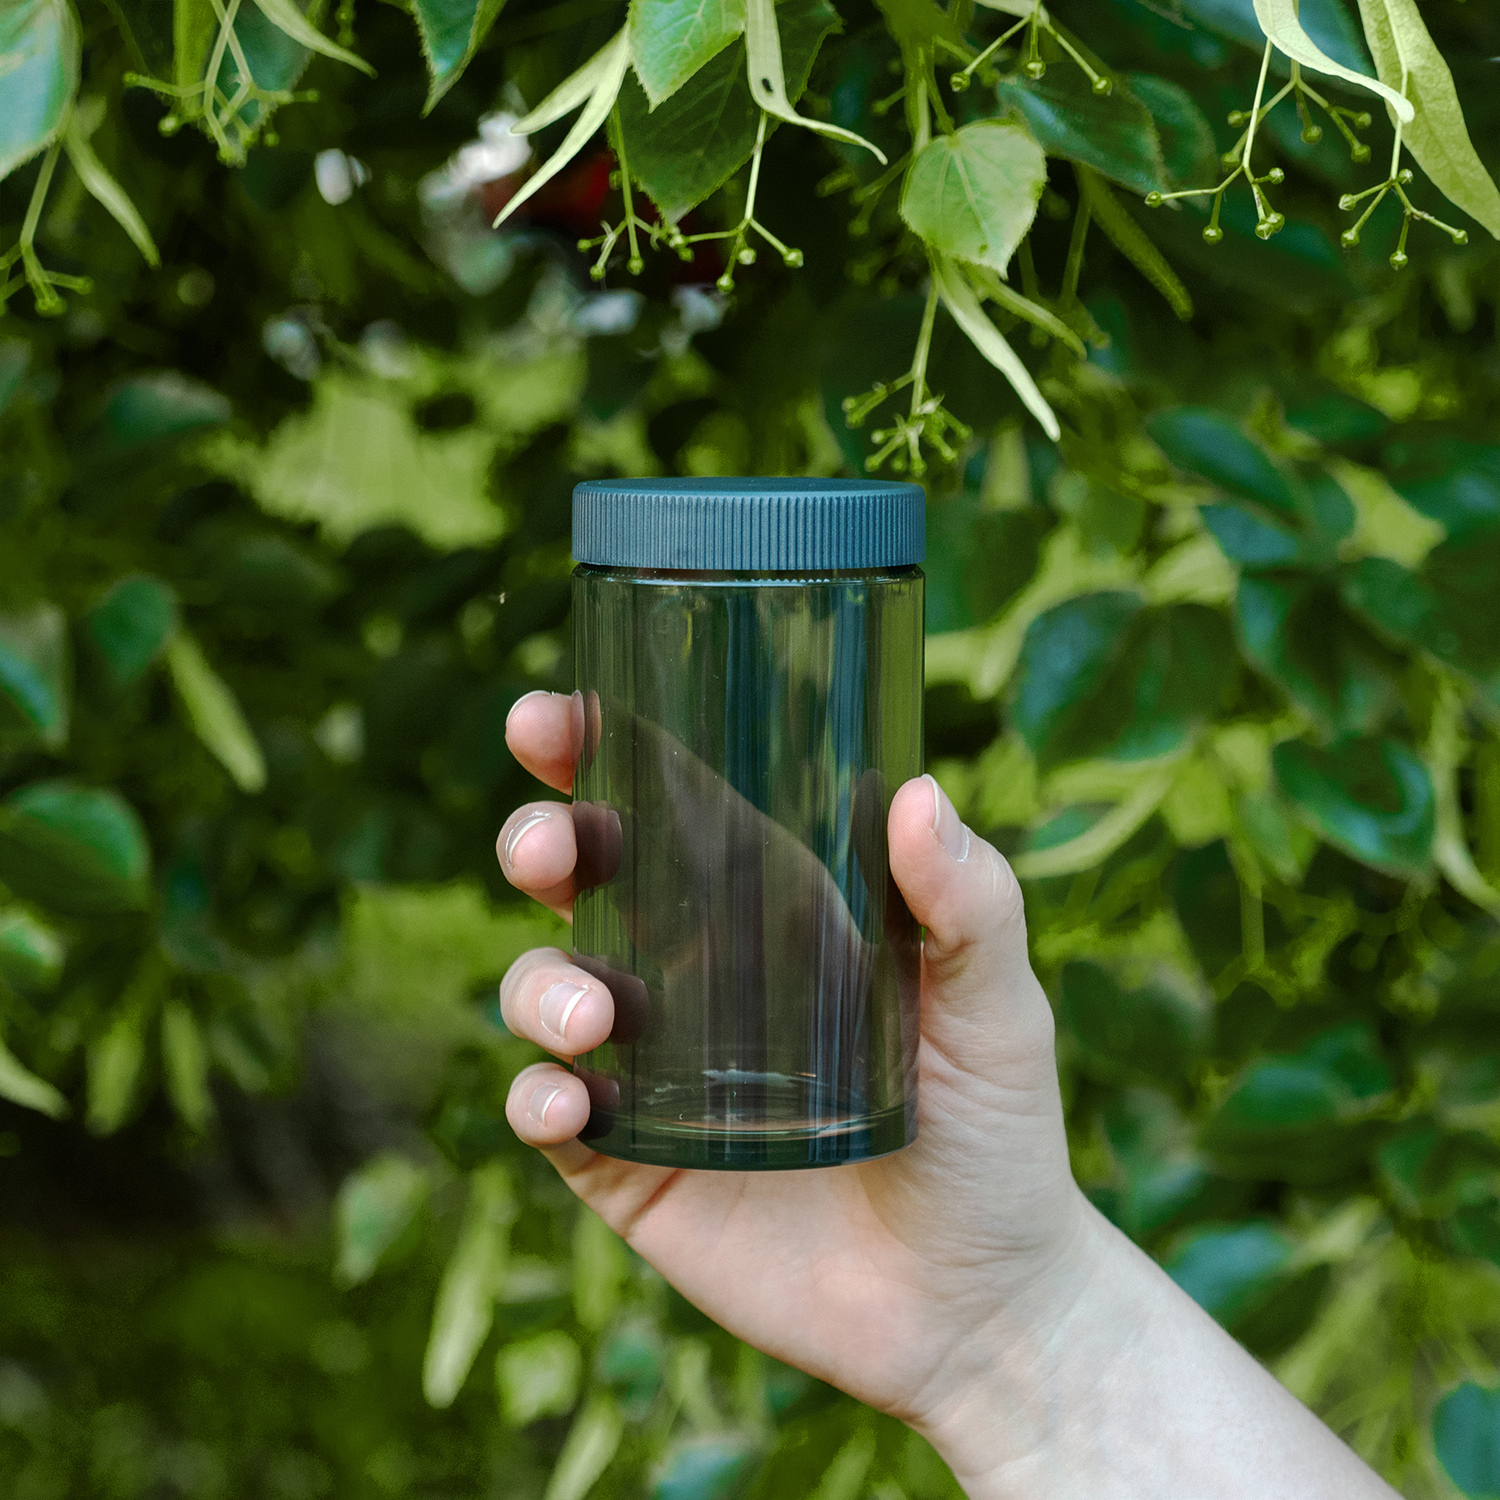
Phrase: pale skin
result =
(964, 1285)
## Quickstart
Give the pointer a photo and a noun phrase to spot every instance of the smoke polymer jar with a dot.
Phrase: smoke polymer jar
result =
(748, 659)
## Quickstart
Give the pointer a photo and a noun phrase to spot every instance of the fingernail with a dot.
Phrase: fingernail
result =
(525, 698)
(952, 833)
(557, 1006)
(520, 831)
(542, 1100)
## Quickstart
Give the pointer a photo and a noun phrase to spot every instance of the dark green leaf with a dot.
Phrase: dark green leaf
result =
(978, 560)
(277, 61)
(1327, 22)
(1149, 1034)
(451, 31)
(73, 848)
(686, 149)
(1202, 442)
(1456, 483)
(31, 953)
(34, 674)
(38, 76)
(131, 625)
(1249, 540)
(151, 408)
(1227, 1271)
(375, 1207)
(1432, 1172)
(1296, 631)
(1371, 798)
(1466, 1435)
(1113, 133)
(1187, 139)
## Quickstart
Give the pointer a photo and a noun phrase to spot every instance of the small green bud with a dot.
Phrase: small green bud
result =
(1460, 236)
(635, 265)
(1312, 134)
(793, 258)
(1362, 121)
(1276, 175)
(1347, 202)
(746, 256)
(1404, 176)
(1349, 238)
(1359, 152)
(596, 273)
(725, 283)
(584, 245)
(169, 124)
(1036, 69)
(1103, 86)
(1154, 200)
(1399, 260)
(1238, 116)
(959, 81)
(1212, 234)
(847, 405)
(1230, 159)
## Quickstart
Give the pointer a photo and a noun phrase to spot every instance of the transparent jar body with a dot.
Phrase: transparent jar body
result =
(743, 737)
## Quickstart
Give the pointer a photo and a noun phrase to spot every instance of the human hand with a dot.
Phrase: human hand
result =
(964, 1284)
(884, 1278)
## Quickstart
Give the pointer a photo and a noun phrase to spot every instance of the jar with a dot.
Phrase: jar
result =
(748, 659)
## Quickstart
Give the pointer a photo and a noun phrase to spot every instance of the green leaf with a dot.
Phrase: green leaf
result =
(34, 674)
(131, 625)
(1456, 483)
(962, 303)
(451, 33)
(765, 69)
(1466, 1435)
(1295, 630)
(1082, 838)
(73, 848)
(1006, 297)
(471, 1282)
(1432, 1172)
(185, 1063)
(592, 1442)
(117, 1057)
(1149, 1035)
(671, 39)
(23, 1087)
(606, 72)
(709, 1467)
(1280, 22)
(1133, 243)
(153, 408)
(276, 61)
(1187, 139)
(1250, 540)
(15, 355)
(1371, 798)
(691, 144)
(1228, 1271)
(973, 194)
(1202, 442)
(285, 15)
(31, 952)
(600, 1268)
(215, 713)
(1408, 61)
(376, 1205)
(100, 184)
(1114, 133)
(38, 76)
(538, 1377)
(1327, 22)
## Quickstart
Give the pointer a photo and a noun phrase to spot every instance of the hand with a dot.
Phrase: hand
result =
(964, 1284)
(864, 1276)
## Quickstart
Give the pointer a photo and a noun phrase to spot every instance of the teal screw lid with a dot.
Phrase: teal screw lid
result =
(749, 525)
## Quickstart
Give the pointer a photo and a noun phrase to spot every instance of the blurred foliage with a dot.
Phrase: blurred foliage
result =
(284, 505)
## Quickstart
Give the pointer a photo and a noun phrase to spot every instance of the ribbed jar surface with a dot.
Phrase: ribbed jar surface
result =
(743, 737)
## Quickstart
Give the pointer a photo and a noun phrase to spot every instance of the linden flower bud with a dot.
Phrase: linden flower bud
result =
(1359, 152)
(725, 283)
(596, 273)
(1154, 200)
(635, 265)
(746, 256)
(1398, 260)
(1103, 86)
(1312, 135)
(792, 258)
(1036, 69)
(1460, 236)
(1276, 175)
(1349, 238)
(1212, 234)
(959, 82)
(1347, 202)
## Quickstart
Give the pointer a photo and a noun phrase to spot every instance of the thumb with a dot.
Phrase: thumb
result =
(979, 995)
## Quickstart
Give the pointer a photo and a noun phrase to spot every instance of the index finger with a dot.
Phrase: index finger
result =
(545, 733)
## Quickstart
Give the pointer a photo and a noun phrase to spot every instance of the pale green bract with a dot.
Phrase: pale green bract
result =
(91, 172)
(671, 39)
(38, 76)
(1405, 54)
(1279, 20)
(973, 194)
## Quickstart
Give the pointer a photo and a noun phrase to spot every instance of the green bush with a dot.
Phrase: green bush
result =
(287, 439)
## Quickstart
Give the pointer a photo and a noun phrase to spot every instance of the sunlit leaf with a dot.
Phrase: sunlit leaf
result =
(31, 952)
(117, 1056)
(34, 673)
(21, 1086)
(973, 194)
(185, 1066)
(600, 1267)
(38, 76)
(592, 1442)
(215, 713)
(671, 39)
(538, 1377)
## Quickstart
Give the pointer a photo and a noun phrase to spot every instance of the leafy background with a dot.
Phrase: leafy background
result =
(285, 524)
